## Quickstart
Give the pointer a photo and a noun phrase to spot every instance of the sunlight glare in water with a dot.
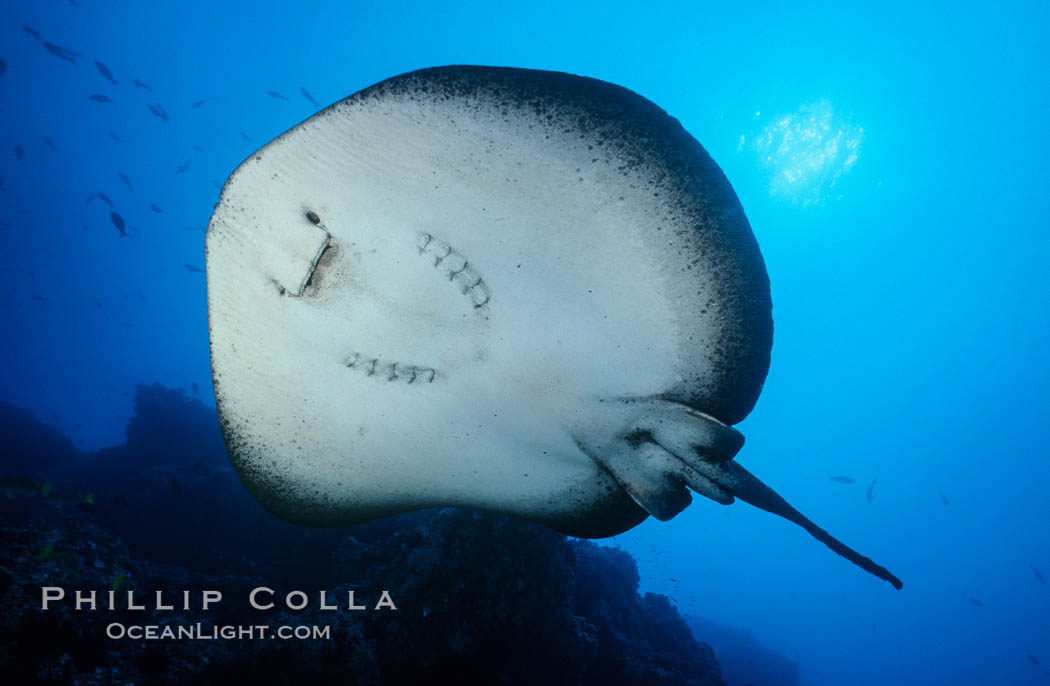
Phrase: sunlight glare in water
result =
(806, 152)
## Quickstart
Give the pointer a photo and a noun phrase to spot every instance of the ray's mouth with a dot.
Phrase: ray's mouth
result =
(438, 253)
(305, 252)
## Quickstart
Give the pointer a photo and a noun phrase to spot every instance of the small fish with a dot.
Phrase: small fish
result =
(119, 581)
(200, 103)
(975, 602)
(176, 482)
(277, 96)
(871, 490)
(182, 168)
(159, 112)
(1033, 659)
(98, 304)
(60, 52)
(189, 228)
(49, 554)
(843, 479)
(118, 222)
(1038, 574)
(83, 227)
(39, 298)
(246, 137)
(99, 97)
(156, 209)
(106, 73)
(3, 66)
(306, 94)
(20, 152)
(196, 390)
(31, 31)
(17, 485)
(101, 196)
(944, 498)
(192, 269)
(50, 143)
(126, 180)
(114, 136)
(70, 498)
(198, 148)
(139, 84)
(197, 466)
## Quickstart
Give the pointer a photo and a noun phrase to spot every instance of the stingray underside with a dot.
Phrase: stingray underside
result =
(595, 254)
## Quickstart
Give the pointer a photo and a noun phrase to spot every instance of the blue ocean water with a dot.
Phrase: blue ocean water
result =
(891, 159)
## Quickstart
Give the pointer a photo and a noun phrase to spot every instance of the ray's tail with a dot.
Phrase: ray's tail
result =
(750, 489)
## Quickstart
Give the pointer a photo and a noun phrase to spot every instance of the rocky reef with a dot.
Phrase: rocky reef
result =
(480, 598)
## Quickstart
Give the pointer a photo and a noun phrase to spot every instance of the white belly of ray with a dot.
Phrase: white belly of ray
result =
(397, 382)
(522, 291)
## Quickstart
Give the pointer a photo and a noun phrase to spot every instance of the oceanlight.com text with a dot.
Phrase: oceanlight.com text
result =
(228, 632)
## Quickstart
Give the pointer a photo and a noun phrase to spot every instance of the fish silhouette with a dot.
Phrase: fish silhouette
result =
(101, 196)
(60, 52)
(106, 73)
(159, 112)
(310, 98)
(118, 222)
